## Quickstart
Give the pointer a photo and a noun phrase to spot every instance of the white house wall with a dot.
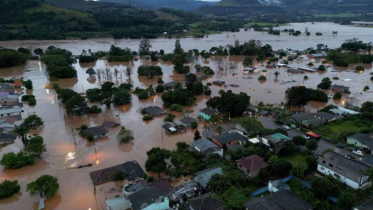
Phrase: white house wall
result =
(349, 182)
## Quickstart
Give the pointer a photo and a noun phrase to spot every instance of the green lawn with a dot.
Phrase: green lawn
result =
(341, 15)
(296, 159)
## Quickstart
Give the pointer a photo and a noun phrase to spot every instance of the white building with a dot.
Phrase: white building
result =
(347, 171)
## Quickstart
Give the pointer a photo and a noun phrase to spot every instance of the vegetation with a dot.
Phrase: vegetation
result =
(149, 71)
(9, 188)
(229, 102)
(14, 161)
(262, 78)
(45, 185)
(337, 96)
(197, 135)
(147, 118)
(300, 96)
(35, 146)
(10, 57)
(326, 83)
(124, 135)
(178, 96)
(176, 107)
(321, 68)
(170, 118)
(58, 63)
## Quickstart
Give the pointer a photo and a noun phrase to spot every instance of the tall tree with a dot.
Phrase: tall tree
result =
(144, 47)
(45, 185)
(33, 122)
(22, 131)
(107, 91)
(90, 72)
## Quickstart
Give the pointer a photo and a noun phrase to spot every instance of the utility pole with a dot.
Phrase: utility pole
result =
(72, 130)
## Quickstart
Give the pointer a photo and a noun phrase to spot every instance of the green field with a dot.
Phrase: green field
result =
(264, 24)
(296, 159)
(342, 15)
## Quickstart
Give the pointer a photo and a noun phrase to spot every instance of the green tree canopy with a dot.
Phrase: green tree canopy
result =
(125, 135)
(45, 185)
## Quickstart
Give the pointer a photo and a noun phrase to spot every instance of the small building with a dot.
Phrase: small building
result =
(204, 202)
(302, 118)
(345, 170)
(203, 177)
(340, 88)
(131, 169)
(8, 112)
(184, 191)
(275, 142)
(162, 185)
(207, 113)
(172, 128)
(97, 131)
(7, 138)
(295, 71)
(218, 82)
(109, 124)
(308, 69)
(206, 147)
(361, 141)
(280, 200)
(325, 116)
(8, 98)
(249, 70)
(148, 198)
(251, 165)
(154, 111)
(135, 186)
(17, 83)
(343, 111)
(226, 139)
(170, 85)
(187, 121)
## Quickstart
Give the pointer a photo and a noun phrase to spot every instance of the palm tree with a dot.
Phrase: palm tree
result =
(276, 74)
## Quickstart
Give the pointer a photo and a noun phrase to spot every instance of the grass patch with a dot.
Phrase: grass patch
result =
(296, 159)
(341, 15)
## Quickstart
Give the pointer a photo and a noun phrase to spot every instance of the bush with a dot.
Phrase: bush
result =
(337, 96)
(159, 89)
(359, 68)
(95, 109)
(28, 84)
(366, 88)
(321, 68)
(182, 69)
(8, 188)
(176, 107)
(27, 97)
(336, 78)
(305, 77)
(371, 78)
(31, 101)
(90, 137)
(209, 83)
(262, 78)
(160, 81)
(207, 92)
(341, 63)
(170, 118)
(143, 95)
(14, 161)
(194, 125)
(311, 145)
(147, 118)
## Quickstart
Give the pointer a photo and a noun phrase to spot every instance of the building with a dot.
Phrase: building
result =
(226, 139)
(187, 121)
(148, 198)
(96, 132)
(17, 83)
(345, 170)
(162, 185)
(7, 138)
(8, 112)
(203, 177)
(361, 141)
(235, 147)
(340, 88)
(301, 118)
(204, 202)
(280, 200)
(109, 124)
(170, 85)
(131, 169)
(251, 165)
(207, 113)
(8, 98)
(343, 111)
(153, 111)
(206, 147)
(325, 116)
(294, 71)
(172, 128)
(7, 87)
(275, 142)
(184, 191)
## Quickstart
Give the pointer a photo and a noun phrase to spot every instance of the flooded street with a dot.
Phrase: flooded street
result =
(300, 42)
(65, 149)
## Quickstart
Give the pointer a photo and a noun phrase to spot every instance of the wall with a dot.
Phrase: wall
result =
(159, 206)
(354, 142)
(326, 171)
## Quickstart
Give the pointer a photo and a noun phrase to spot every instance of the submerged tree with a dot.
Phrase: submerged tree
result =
(45, 185)
(124, 135)
(144, 47)
(90, 72)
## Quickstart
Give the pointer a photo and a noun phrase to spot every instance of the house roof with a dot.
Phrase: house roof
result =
(10, 111)
(204, 202)
(171, 84)
(10, 119)
(211, 150)
(366, 206)
(209, 111)
(6, 138)
(363, 138)
(188, 120)
(95, 131)
(204, 144)
(348, 168)
(229, 137)
(136, 185)
(235, 147)
(17, 82)
(339, 87)
(280, 200)
(145, 197)
(325, 115)
(3, 94)
(203, 177)
(302, 116)
(253, 163)
(185, 188)
(162, 185)
(109, 124)
(131, 169)
(154, 110)
(276, 137)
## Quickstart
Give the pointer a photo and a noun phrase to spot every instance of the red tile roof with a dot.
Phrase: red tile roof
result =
(17, 82)
(253, 163)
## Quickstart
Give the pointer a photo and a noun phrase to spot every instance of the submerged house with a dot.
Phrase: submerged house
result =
(187, 121)
(226, 139)
(207, 113)
(97, 131)
(340, 88)
(206, 147)
(154, 111)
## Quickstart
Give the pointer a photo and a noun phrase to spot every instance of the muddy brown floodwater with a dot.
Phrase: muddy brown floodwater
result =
(76, 188)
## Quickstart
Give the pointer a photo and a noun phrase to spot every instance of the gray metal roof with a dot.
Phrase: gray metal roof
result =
(325, 115)
(229, 137)
(97, 130)
(302, 116)
(363, 138)
(205, 202)
(203, 177)
(145, 197)
(203, 144)
(154, 110)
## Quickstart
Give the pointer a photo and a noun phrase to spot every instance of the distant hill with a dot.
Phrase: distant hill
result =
(155, 4)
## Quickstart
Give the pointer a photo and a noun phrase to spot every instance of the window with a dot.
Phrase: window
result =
(331, 165)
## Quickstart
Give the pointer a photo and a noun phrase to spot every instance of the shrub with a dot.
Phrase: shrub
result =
(95, 109)
(359, 68)
(159, 89)
(208, 92)
(366, 88)
(321, 68)
(336, 78)
(194, 125)
(310, 64)
(176, 107)
(264, 70)
(119, 176)
(27, 97)
(371, 78)
(209, 83)
(90, 137)
(8, 188)
(160, 81)
(305, 77)
(170, 118)
(143, 95)
(147, 118)
(31, 102)
(290, 58)
(337, 96)
(14, 161)
(341, 63)
(262, 78)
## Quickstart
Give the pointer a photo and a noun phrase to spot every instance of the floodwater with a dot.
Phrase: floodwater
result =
(301, 42)
(66, 150)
